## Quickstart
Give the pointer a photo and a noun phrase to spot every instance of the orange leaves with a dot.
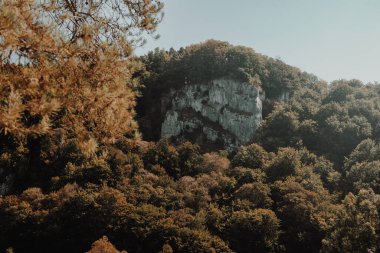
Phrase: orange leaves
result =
(88, 146)
(11, 113)
(103, 246)
(71, 78)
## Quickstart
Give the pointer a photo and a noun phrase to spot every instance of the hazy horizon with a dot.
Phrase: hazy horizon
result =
(331, 39)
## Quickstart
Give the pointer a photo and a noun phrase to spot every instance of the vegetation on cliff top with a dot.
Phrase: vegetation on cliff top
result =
(203, 62)
(74, 177)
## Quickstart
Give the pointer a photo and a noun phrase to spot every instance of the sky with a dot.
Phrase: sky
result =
(333, 39)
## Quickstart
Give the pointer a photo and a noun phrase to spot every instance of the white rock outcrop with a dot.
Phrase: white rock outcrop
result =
(224, 111)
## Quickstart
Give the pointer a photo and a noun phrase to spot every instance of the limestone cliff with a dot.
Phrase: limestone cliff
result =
(208, 93)
(222, 113)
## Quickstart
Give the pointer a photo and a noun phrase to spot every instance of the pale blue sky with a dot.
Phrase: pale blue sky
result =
(331, 38)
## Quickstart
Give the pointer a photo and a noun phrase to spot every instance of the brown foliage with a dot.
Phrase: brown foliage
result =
(79, 87)
(103, 245)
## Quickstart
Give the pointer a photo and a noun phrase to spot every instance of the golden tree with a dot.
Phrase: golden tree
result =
(67, 67)
(103, 245)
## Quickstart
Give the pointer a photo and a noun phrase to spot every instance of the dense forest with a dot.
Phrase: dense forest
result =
(77, 174)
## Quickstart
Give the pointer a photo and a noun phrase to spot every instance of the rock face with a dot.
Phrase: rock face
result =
(222, 113)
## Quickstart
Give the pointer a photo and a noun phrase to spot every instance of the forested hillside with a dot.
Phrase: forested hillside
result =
(205, 62)
(76, 175)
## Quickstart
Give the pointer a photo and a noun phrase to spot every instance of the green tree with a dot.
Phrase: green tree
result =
(190, 159)
(285, 163)
(166, 155)
(257, 230)
(364, 175)
(252, 156)
(303, 213)
(354, 228)
(279, 129)
(257, 193)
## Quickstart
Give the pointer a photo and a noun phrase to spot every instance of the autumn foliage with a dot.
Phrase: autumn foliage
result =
(76, 177)
(72, 78)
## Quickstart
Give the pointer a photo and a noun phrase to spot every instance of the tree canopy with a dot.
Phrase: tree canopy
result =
(75, 176)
